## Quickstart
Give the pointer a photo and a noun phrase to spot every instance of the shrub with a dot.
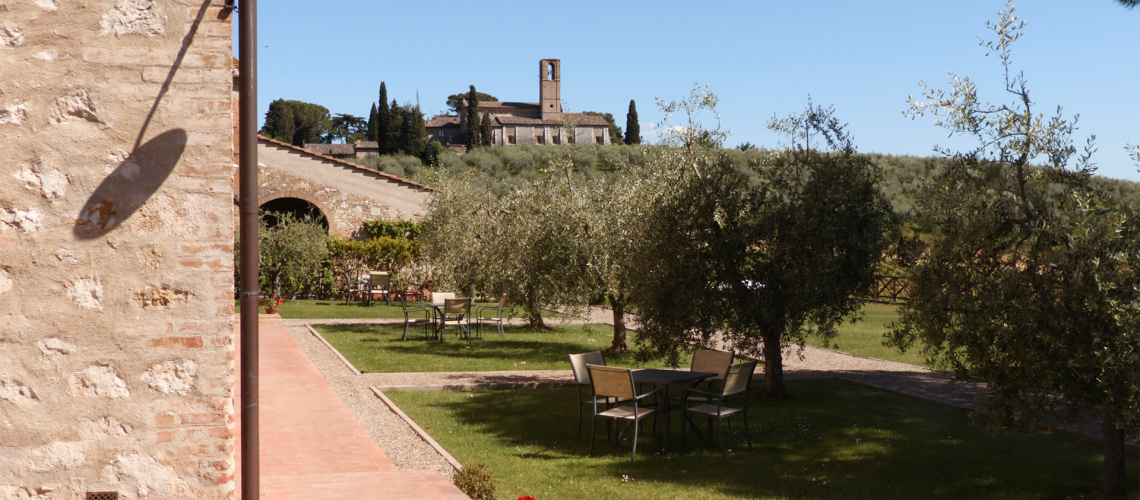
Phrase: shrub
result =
(395, 255)
(398, 229)
(292, 255)
(476, 481)
(484, 160)
(409, 164)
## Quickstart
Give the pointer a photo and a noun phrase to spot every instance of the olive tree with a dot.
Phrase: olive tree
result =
(526, 243)
(293, 254)
(761, 254)
(1031, 279)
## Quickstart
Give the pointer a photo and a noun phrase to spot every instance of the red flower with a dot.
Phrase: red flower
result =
(526, 497)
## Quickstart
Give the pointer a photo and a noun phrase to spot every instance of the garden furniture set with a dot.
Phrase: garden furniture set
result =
(446, 309)
(614, 394)
(375, 285)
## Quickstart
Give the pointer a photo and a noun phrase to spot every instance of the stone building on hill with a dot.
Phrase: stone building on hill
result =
(358, 149)
(515, 123)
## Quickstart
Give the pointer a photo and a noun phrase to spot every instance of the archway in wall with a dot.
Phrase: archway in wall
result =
(296, 207)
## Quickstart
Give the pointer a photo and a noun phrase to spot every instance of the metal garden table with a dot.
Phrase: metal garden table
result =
(667, 378)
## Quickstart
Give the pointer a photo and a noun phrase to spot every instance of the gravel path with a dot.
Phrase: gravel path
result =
(408, 451)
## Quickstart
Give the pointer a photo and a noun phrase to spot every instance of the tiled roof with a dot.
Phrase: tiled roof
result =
(567, 118)
(332, 149)
(489, 105)
(444, 121)
(346, 163)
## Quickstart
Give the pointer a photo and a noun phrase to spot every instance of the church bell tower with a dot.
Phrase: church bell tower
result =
(550, 88)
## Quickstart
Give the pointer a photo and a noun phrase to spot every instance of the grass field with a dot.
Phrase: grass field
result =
(865, 337)
(833, 441)
(378, 348)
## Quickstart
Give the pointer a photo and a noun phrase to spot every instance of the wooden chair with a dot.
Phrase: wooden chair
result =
(737, 381)
(617, 383)
(457, 312)
(496, 316)
(578, 364)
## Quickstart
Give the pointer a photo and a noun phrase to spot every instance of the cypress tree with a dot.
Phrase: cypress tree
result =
(384, 131)
(632, 130)
(473, 135)
(415, 139)
(372, 123)
(395, 121)
(486, 133)
(404, 134)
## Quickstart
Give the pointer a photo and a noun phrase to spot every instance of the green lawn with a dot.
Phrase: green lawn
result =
(865, 337)
(378, 348)
(833, 441)
(334, 309)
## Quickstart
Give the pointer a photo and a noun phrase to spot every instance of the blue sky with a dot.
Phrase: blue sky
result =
(760, 57)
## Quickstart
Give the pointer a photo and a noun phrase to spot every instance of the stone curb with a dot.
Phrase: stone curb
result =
(417, 429)
(334, 351)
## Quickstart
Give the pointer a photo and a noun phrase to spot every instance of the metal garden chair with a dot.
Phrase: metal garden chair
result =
(617, 383)
(413, 308)
(737, 381)
(578, 364)
(496, 316)
(380, 283)
(457, 312)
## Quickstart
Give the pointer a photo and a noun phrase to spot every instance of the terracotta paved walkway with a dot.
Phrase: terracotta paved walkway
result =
(312, 447)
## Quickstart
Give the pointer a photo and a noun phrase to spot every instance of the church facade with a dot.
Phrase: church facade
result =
(514, 123)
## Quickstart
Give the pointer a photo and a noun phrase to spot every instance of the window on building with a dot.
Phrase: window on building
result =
(510, 139)
(556, 140)
(538, 139)
(441, 133)
(598, 139)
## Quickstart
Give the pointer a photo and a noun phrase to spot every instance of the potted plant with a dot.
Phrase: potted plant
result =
(272, 304)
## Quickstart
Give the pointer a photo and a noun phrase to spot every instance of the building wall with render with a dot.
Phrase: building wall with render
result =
(116, 249)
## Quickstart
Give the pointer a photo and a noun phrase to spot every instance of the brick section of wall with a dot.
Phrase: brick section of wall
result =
(116, 250)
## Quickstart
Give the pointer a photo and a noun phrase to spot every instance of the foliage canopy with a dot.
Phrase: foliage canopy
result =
(1031, 279)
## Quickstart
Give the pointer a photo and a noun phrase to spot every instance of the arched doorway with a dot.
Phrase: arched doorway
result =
(296, 207)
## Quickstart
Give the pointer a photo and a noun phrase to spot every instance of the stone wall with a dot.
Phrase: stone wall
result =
(116, 249)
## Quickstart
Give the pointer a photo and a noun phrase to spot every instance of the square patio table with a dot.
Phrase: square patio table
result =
(667, 378)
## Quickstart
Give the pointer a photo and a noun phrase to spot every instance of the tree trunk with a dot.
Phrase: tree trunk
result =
(618, 303)
(773, 366)
(534, 311)
(1113, 484)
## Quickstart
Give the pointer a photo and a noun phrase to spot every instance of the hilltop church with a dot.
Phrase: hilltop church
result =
(515, 123)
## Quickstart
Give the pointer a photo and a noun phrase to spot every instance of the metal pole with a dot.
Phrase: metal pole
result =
(247, 172)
